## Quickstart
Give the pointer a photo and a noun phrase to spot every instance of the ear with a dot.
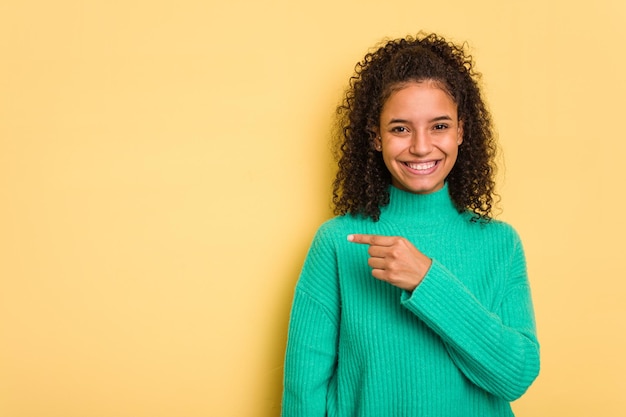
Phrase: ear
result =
(459, 133)
(378, 141)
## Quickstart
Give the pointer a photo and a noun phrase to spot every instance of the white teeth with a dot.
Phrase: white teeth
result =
(422, 166)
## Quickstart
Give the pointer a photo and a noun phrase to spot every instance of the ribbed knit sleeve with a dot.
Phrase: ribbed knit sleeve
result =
(312, 343)
(495, 348)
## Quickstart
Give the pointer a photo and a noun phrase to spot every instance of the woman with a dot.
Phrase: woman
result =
(413, 301)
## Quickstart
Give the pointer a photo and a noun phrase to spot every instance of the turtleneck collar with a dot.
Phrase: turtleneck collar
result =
(419, 208)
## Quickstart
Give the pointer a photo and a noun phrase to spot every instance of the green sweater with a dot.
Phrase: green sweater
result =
(462, 343)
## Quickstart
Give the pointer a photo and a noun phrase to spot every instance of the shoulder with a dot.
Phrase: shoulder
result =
(341, 226)
(333, 233)
(505, 230)
(496, 231)
(490, 226)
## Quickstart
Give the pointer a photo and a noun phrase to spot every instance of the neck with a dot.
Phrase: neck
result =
(419, 208)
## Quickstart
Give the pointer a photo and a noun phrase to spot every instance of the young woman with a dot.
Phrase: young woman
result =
(413, 301)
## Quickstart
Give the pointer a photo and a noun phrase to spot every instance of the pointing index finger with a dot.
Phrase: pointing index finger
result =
(371, 239)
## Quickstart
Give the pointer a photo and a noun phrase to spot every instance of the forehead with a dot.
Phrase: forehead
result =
(425, 97)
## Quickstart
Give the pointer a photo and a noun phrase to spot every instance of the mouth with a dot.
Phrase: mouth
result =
(421, 167)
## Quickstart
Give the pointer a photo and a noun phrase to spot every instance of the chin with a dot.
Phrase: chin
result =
(421, 188)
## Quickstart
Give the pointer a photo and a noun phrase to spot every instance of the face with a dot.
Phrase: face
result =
(419, 136)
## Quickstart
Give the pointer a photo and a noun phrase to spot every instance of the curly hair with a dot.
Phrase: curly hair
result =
(361, 186)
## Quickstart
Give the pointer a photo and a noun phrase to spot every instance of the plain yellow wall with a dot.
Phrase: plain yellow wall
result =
(164, 164)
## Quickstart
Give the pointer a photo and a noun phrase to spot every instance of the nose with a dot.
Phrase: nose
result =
(421, 144)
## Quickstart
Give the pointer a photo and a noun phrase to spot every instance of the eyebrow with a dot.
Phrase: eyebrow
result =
(436, 119)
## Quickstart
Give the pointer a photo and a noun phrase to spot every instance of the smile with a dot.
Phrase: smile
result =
(423, 166)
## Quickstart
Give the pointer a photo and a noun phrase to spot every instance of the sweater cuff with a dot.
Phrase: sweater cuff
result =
(431, 285)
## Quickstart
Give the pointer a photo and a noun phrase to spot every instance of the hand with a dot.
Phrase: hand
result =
(395, 260)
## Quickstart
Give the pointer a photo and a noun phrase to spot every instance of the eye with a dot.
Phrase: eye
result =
(440, 126)
(399, 129)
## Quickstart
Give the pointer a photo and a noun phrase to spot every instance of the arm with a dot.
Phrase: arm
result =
(313, 329)
(496, 350)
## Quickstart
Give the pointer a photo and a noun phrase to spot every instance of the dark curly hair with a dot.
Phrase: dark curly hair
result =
(361, 186)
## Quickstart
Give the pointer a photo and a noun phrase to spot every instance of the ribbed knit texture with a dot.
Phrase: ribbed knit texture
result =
(462, 344)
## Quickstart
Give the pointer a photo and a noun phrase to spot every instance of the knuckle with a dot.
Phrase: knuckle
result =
(393, 279)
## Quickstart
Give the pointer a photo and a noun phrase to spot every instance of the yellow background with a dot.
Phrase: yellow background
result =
(164, 164)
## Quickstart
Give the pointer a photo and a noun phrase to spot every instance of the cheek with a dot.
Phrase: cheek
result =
(392, 147)
(389, 158)
(452, 147)
(453, 155)
(389, 153)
